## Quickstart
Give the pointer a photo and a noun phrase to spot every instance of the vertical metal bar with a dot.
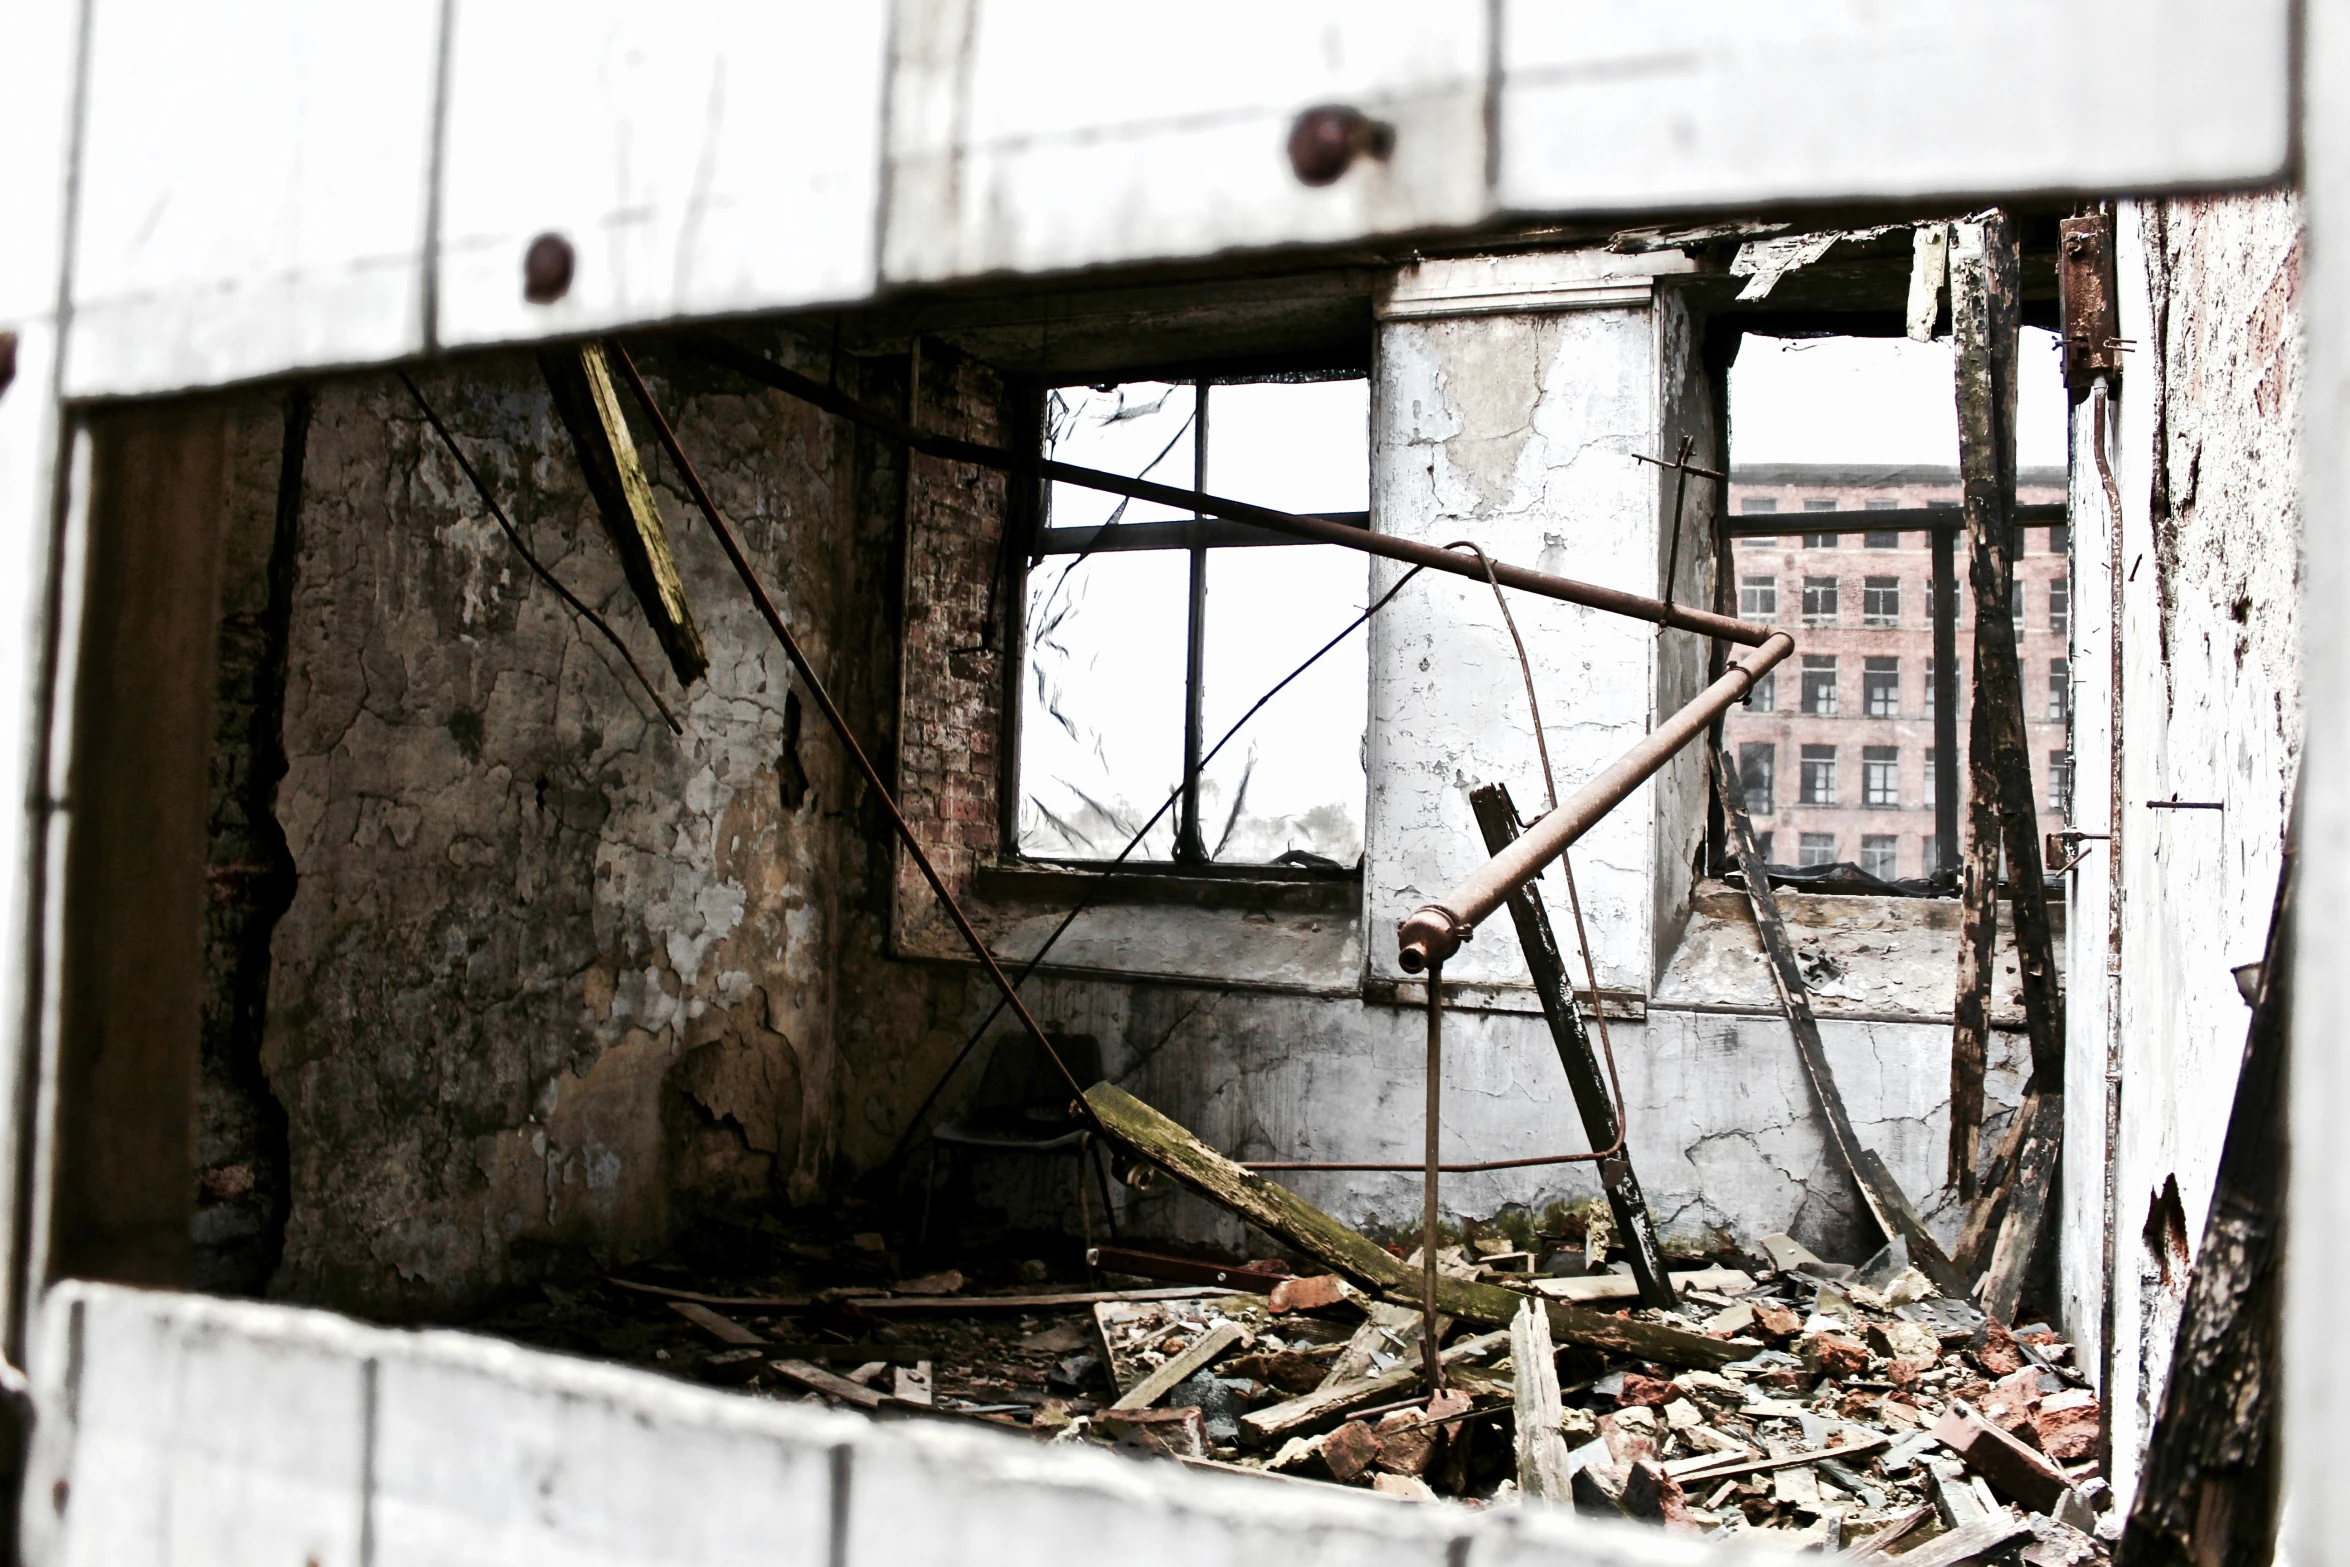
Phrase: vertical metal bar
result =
(1189, 843)
(1945, 610)
(1497, 819)
(1431, 1363)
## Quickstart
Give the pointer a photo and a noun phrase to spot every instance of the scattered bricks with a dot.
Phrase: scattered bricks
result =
(2067, 1425)
(1286, 1369)
(1834, 1355)
(1730, 1323)
(1779, 1322)
(1999, 1458)
(2010, 1403)
(1994, 1351)
(1310, 1294)
(1450, 1401)
(1630, 1434)
(1177, 1433)
(1682, 1415)
(1905, 1372)
(1349, 1450)
(1711, 1388)
(1638, 1389)
(1651, 1493)
(1792, 1381)
(1858, 1405)
(1912, 1341)
(1599, 1489)
(1410, 1487)
(1405, 1445)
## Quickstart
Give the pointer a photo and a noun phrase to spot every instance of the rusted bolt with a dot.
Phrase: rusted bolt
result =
(1326, 140)
(7, 359)
(546, 269)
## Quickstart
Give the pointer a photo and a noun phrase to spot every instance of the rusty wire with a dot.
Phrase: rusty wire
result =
(514, 537)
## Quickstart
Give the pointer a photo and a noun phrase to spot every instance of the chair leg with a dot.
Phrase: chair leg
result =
(1084, 1207)
(929, 1185)
(1101, 1176)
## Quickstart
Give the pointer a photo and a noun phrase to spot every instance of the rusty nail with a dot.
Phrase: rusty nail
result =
(1327, 139)
(7, 359)
(546, 269)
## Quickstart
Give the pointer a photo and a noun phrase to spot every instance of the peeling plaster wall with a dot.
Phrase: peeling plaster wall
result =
(1721, 1125)
(1516, 431)
(551, 972)
(2207, 461)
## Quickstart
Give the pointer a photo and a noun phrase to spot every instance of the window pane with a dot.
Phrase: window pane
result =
(1819, 775)
(1880, 680)
(1758, 598)
(1763, 695)
(1880, 601)
(1819, 684)
(1879, 854)
(1757, 762)
(1101, 718)
(1819, 601)
(1819, 848)
(1880, 776)
(1292, 445)
(1141, 430)
(2060, 689)
(1292, 779)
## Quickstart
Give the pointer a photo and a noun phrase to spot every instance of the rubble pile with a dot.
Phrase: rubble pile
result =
(1862, 1411)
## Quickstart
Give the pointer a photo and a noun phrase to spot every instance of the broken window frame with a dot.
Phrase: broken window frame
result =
(1197, 536)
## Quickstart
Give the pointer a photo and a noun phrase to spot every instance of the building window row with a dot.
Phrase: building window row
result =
(1880, 602)
(1880, 777)
(1880, 688)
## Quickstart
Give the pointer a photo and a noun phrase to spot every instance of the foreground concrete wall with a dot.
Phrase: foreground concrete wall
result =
(2207, 459)
(198, 1432)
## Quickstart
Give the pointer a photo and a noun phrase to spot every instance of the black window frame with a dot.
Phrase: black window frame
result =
(1197, 536)
(1808, 791)
(1834, 588)
(1880, 777)
(1819, 664)
(1880, 603)
(1880, 676)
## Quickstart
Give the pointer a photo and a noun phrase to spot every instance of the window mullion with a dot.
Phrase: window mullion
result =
(1189, 843)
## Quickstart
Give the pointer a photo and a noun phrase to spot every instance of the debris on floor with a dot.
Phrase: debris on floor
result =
(1850, 1409)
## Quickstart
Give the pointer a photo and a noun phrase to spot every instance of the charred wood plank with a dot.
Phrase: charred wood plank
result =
(1987, 322)
(1886, 1202)
(2208, 1493)
(1278, 1211)
(580, 382)
(1497, 819)
(2031, 1192)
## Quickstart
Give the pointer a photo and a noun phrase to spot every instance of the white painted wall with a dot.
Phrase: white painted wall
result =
(1517, 428)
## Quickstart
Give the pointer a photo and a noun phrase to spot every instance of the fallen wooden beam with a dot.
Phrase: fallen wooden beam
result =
(1710, 1466)
(580, 381)
(1623, 1286)
(1279, 1211)
(1543, 1468)
(1887, 1203)
(722, 1328)
(1497, 820)
(1183, 1270)
(1203, 1351)
(1972, 1543)
(1262, 1425)
(822, 1381)
(2031, 1193)
(2208, 1489)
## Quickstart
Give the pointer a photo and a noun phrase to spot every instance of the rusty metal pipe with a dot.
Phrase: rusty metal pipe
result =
(1435, 931)
(1320, 530)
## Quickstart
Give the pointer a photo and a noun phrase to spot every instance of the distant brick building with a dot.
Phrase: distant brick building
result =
(1837, 746)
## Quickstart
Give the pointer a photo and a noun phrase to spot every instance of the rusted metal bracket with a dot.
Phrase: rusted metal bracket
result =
(2092, 311)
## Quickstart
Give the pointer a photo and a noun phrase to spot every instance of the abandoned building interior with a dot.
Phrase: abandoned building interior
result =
(1633, 875)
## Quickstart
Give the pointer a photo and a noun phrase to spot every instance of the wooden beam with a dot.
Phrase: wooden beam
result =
(580, 381)
(1497, 819)
(1543, 1467)
(2207, 1493)
(2031, 1192)
(1278, 1211)
(1986, 326)
(1885, 1200)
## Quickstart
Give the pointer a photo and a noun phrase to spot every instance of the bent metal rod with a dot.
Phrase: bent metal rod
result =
(765, 371)
(1436, 930)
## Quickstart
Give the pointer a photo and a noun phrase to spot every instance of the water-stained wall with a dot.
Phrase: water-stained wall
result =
(551, 974)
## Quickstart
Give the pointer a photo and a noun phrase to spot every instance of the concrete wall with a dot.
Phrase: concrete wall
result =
(552, 974)
(2207, 707)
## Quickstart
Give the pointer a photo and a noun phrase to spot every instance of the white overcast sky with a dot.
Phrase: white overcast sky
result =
(1878, 399)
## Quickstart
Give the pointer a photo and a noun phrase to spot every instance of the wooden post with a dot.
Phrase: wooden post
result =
(580, 381)
(1497, 818)
(1885, 1200)
(1987, 317)
(2208, 1491)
